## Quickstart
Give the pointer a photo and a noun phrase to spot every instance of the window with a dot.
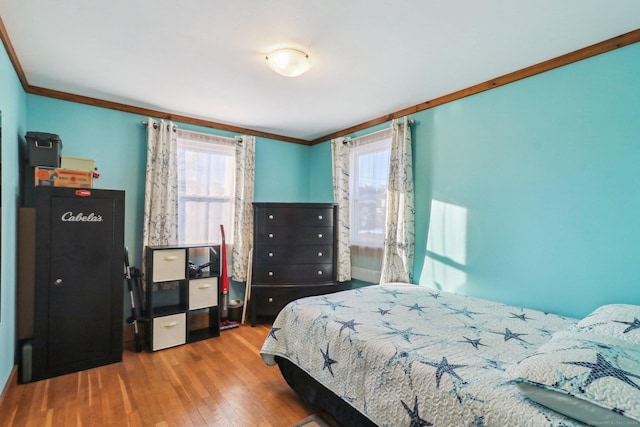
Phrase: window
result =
(206, 182)
(368, 193)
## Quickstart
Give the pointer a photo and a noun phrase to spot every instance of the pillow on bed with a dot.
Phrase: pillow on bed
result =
(616, 320)
(592, 378)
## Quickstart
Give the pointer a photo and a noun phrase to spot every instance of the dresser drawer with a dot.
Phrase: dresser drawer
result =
(169, 264)
(169, 331)
(273, 254)
(267, 217)
(294, 236)
(300, 273)
(203, 293)
(271, 299)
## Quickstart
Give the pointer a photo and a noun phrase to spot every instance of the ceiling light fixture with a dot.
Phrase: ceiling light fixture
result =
(288, 62)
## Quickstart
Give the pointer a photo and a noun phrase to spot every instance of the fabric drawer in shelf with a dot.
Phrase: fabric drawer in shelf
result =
(203, 293)
(169, 331)
(294, 254)
(169, 265)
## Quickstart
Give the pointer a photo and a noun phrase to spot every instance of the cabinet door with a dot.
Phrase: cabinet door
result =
(79, 298)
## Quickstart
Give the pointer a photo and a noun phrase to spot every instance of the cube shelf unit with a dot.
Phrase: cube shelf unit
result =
(171, 319)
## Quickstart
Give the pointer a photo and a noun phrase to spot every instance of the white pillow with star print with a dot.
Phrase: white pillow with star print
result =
(616, 320)
(590, 377)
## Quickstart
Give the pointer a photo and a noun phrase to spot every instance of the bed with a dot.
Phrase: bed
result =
(406, 355)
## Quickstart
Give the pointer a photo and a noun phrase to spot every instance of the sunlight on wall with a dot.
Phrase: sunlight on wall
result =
(446, 255)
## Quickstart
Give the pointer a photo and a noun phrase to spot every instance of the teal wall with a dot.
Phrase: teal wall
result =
(13, 118)
(282, 172)
(321, 175)
(540, 183)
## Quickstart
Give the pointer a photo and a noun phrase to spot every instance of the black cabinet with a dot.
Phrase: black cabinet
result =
(78, 302)
(294, 254)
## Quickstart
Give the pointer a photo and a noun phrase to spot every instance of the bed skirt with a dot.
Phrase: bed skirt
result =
(320, 397)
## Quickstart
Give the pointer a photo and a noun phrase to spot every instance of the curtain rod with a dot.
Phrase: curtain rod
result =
(175, 127)
(410, 122)
(146, 123)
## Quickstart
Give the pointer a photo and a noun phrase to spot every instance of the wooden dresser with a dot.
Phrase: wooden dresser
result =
(294, 254)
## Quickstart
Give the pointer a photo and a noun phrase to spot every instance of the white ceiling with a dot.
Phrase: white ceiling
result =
(205, 58)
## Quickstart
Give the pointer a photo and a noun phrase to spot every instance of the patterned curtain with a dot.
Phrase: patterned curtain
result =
(340, 153)
(397, 261)
(161, 193)
(243, 219)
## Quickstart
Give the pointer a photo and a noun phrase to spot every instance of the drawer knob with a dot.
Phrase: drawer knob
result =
(270, 299)
(319, 253)
(271, 235)
(319, 216)
(319, 235)
(319, 272)
(271, 254)
(270, 216)
(271, 273)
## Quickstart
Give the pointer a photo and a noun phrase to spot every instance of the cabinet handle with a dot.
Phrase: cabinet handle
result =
(169, 325)
(205, 286)
(319, 253)
(271, 273)
(169, 258)
(271, 235)
(58, 282)
(270, 216)
(319, 235)
(319, 216)
(271, 254)
(319, 272)
(270, 299)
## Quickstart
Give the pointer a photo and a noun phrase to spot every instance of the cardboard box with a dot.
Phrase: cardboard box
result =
(77, 163)
(58, 177)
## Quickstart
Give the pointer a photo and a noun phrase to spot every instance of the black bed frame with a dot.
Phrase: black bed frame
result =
(321, 397)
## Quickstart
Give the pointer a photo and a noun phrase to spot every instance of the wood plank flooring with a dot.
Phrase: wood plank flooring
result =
(216, 382)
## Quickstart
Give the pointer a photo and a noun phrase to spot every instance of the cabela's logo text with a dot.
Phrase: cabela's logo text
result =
(80, 217)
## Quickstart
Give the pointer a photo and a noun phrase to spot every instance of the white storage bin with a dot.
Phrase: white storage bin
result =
(203, 293)
(169, 264)
(169, 331)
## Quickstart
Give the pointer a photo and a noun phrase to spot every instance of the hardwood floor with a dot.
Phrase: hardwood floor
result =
(216, 382)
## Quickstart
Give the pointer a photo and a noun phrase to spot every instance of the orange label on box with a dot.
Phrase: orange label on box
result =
(57, 177)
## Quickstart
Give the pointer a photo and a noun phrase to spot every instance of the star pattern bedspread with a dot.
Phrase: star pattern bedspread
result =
(414, 356)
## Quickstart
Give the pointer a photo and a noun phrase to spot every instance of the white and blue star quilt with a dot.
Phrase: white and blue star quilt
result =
(406, 355)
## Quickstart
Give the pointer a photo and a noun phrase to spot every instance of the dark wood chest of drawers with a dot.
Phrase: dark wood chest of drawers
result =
(294, 254)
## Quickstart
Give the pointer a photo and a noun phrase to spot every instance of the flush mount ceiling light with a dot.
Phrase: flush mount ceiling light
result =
(288, 62)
